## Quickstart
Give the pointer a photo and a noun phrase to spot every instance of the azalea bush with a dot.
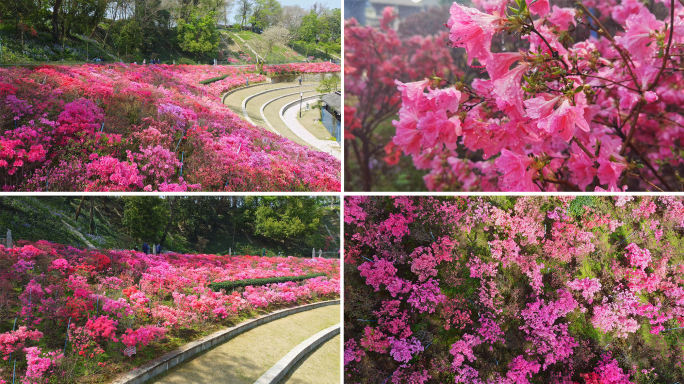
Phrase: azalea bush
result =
(67, 313)
(590, 102)
(143, 128)
(513, 290)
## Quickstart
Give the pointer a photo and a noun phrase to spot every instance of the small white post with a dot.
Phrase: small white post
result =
(9, 238)
(230, 251)
(320, 253)
(313, 253)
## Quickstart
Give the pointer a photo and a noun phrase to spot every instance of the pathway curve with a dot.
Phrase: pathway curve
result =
(253, 105)
(289, 117)
(322, 366)
(243, 359)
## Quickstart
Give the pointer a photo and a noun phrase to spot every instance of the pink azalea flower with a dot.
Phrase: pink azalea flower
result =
(498, 66)
(516, 176)
(540, 7)
(473, 30)
(582, 167)
(638, 39)
(508, 91)
(609, 172)
(562, 17)
(563, 121)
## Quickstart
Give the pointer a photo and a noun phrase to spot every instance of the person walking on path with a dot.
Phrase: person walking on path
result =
(158, 249)
(263, 252)
(146, 248)
(300, 81)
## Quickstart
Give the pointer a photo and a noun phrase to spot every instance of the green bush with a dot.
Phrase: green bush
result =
(217, 286)
(577, 206)
(185, 60)
(213, 79)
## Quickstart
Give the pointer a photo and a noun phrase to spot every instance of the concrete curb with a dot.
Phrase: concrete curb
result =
(307, 136)
(261, 110)
(292, 104)
(223, 98)
(282, 367)
(173, 358)
(250, 97)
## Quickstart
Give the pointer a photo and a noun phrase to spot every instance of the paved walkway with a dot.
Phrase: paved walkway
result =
(320, 367)
(328, 146)
(312, 136)
(243, 359)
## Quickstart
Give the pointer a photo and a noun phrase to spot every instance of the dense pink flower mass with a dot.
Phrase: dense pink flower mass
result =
(509, 290)
(593, 98)
(146, 128)
(113, 299)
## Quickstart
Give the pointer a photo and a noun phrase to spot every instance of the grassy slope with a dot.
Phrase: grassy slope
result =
(279, 54)
(40, 218)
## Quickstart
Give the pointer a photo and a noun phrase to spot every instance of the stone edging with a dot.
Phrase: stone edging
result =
(250, 97)
(288, 105)
(283, 366)
(223, 98)
(263, 116)
(175, 357)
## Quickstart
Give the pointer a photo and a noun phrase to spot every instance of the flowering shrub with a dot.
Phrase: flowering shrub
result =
(153, 128)
(102, 301)
(590, 103)
(513, 290)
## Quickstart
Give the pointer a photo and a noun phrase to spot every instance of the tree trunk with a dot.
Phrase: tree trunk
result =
(92, 219)
(78, 211)
(366, 176)
(172, 202)
(55, 19)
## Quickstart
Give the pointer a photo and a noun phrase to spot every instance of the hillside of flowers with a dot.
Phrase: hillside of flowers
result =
(505, 290)
(67, 314)
(589, 100)
(143, 128)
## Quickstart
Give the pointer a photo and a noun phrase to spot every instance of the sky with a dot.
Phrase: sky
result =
(306, 4)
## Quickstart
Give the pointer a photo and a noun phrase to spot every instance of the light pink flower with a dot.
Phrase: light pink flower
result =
(638, 40)
(562, 17)
(473, 30)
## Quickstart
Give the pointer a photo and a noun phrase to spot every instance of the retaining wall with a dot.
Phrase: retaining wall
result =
(317, 77)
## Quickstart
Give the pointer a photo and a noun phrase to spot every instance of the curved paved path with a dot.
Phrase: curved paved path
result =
(254, 104)
(243, 359)
(322, 366)
(289, 117)
(234, 100)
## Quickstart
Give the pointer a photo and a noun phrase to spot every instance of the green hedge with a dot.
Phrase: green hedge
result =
(217, 286)
(208, 81)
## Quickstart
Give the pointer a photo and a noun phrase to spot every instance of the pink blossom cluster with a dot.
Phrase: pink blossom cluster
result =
(595, 112)
(527, 289)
